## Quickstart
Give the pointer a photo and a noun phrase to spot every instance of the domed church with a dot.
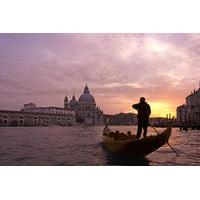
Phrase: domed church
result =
(85, 108)
(74, 112)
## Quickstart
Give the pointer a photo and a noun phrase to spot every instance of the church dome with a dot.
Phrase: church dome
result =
(73, 103)
(86, 97)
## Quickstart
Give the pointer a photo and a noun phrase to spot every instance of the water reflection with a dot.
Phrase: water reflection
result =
(122, 160)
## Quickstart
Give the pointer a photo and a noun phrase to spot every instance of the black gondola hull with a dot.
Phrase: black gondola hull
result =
(139, 148)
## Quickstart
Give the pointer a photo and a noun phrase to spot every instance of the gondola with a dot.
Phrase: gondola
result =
(129, 145)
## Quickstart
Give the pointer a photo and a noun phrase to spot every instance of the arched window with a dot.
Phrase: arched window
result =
(58, 121)
(35, 120)
(5, 122)
(21, 122)
(47, 121)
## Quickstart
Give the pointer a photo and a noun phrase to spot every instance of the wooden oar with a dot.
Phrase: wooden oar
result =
(167, 142)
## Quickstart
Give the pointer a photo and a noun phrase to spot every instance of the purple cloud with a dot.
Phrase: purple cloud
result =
(118, 68)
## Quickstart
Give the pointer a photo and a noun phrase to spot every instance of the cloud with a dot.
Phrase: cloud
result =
(118, 68)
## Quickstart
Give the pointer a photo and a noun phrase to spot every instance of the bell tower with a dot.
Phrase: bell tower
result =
(66, 105)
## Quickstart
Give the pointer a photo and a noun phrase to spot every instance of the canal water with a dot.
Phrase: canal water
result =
(82, 146)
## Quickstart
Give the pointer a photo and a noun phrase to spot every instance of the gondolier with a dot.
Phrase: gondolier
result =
(144, 111)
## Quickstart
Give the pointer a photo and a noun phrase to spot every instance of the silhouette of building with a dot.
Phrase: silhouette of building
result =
(85, 108)
(20, 118)
(158, 121)
(190, 112)
(82, 111)
(182, 114)
(121, 119)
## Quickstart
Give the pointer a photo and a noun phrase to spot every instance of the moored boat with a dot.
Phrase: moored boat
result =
(131, 146)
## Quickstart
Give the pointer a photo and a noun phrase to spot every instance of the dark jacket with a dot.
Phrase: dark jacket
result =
(144, 111)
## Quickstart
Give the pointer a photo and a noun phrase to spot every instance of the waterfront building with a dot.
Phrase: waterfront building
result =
(21, 118)
(158, 121)
(126, 119)
(190, 112)
(86, 110)
(181, 114)
(82, 111)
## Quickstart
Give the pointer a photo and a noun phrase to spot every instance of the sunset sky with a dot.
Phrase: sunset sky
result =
(118, 68)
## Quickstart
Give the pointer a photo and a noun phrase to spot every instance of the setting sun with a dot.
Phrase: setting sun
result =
(161, 109)
(158, 109)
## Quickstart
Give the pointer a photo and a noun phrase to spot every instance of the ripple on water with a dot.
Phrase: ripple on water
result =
(83, 146)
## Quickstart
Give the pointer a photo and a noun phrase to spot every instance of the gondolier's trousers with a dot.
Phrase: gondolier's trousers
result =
(142, 124)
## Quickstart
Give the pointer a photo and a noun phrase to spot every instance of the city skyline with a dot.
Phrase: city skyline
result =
(118, 68)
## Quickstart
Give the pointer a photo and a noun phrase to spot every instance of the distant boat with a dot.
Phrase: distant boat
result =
(139, 148)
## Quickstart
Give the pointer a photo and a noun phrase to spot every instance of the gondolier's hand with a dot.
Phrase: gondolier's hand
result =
(135, 106)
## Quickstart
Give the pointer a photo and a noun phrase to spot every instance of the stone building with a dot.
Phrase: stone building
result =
(82, 111)
(31, 107)
(190, 112)
(181, 114)
(85, 108)
(193, 107)
(21, 118)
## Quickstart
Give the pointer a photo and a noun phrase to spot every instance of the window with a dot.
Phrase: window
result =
(5, 122)
(35, 120)
(21, 122)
